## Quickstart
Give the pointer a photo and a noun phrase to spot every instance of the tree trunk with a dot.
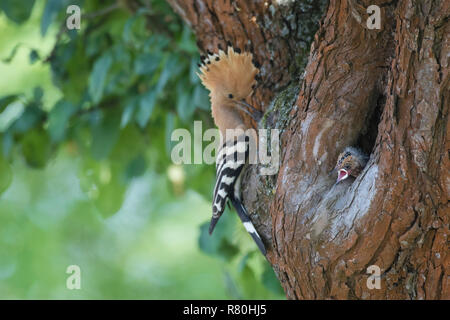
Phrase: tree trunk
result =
(386, 91)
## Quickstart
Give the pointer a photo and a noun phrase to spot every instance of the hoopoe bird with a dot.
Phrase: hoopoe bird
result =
(350, 163)
(230, 77)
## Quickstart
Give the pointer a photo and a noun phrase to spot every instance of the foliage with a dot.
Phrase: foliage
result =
(123, 82)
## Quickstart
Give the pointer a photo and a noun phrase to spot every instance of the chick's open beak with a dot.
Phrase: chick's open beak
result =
(342, 174)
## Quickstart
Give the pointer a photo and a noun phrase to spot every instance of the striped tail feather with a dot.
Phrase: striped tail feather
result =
(213, 223)
(242, 213)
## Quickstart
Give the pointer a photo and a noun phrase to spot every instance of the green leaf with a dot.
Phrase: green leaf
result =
(98, 77)
(186, 43)
(128, 112)
(146, 63)
(130, 144)
(136, 167)
(5, 174)
(127, 34)
(232, 289)
(228, 250)
(218, 244)
(193, 69)
(58, 119)
(134, 32)
(270, 280)
(12, 54)
(105, 134)
(170, 126)
(17, 10)
(34, 56)
(29, 119)
(103, 184)
(38, 93)
(146, 105)
(200, 98)
(51, 9)
(156, 43)
(202, 178)
(7, 144)
(170, 71)
(36, 148)
(110, 198)
(95, 44)
(7, 100)
(206, 242)
(248, 282)
(243, 262)
(185, 106)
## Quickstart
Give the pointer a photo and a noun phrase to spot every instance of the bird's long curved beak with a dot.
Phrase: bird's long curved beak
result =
(342, 174)
(255, 114)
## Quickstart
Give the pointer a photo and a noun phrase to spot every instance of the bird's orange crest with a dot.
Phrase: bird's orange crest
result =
(230, 78)
(229, 75)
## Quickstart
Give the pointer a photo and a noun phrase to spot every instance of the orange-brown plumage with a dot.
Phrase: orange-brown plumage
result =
(230, 77)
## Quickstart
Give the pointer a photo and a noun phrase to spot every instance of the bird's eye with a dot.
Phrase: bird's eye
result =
(230, 96)
(347, 167)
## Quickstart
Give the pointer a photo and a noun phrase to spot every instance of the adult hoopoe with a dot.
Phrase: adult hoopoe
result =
(230, 78)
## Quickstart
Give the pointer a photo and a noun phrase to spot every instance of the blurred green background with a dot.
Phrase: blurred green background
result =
(85, 171)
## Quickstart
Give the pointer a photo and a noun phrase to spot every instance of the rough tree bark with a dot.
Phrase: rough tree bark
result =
(386, 91)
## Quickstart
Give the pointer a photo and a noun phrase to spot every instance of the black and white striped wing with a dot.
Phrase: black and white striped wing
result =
(231, 159)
